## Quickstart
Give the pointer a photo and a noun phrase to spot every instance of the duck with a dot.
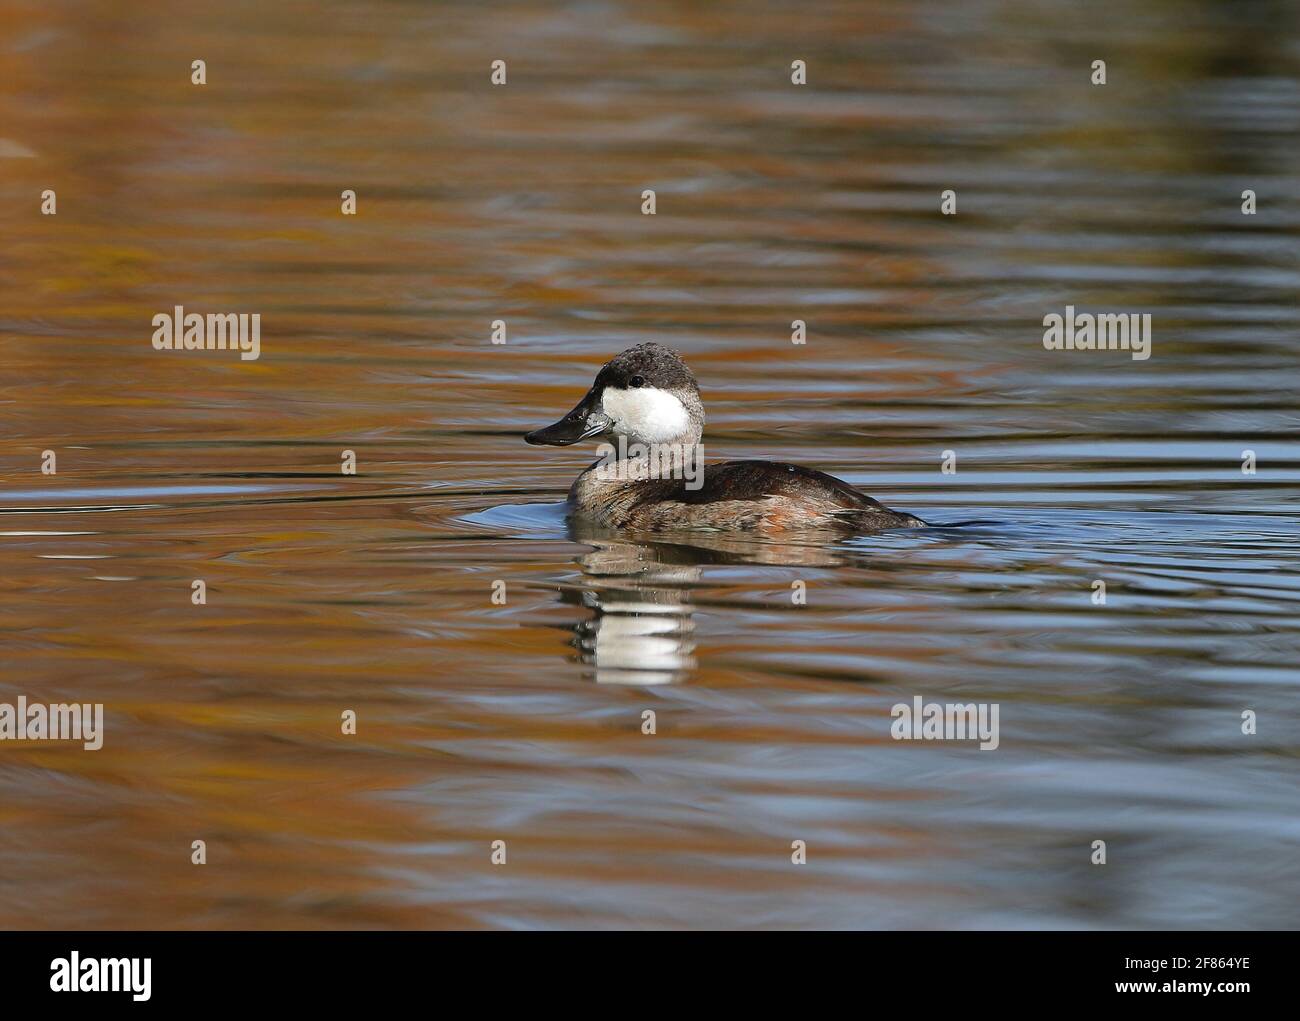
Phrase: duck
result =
(646, 409)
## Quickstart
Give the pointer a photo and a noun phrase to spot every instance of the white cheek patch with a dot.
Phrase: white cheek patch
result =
(646, 414)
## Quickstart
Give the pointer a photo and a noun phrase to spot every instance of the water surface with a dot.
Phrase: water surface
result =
(522, 722)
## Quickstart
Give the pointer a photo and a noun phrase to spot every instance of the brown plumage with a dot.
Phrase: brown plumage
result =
(647, 396)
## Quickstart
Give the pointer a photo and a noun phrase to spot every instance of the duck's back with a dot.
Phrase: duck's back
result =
(760, 496)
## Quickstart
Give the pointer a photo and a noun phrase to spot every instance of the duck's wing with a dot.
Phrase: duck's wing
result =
(757, 480)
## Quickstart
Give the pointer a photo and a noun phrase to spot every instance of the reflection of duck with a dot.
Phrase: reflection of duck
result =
(648, 400)
(644, 631)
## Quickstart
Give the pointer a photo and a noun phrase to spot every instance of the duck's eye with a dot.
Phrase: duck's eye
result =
(636, 381)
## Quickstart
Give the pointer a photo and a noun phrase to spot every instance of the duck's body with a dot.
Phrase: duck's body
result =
(736, 495)
(648, 399)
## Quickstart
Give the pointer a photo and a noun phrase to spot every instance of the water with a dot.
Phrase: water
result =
(522, 722)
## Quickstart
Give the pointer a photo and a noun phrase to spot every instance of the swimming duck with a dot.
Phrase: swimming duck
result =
(647, 400)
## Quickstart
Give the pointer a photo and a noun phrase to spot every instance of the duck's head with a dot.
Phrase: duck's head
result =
(646, 394)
